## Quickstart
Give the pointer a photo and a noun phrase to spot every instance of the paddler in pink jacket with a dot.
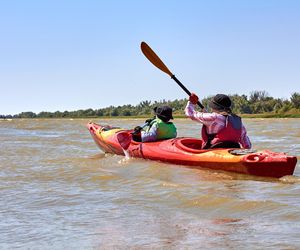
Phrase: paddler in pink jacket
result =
(221, 128)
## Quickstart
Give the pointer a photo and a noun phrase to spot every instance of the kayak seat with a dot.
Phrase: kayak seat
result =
(226, 144)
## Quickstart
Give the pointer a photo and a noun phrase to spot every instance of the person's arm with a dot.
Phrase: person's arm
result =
(150, 135)
(192, 113)
(202, 117)
(245, 141)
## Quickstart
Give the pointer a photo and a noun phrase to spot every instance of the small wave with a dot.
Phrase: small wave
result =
(291, 179)
(96, 156)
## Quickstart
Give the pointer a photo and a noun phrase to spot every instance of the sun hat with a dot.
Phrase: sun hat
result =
(220, 102)
(164, 113)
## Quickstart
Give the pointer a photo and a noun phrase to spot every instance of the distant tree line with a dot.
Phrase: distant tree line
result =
(258, 102)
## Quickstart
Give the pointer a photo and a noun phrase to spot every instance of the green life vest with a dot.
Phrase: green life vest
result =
(165, 130)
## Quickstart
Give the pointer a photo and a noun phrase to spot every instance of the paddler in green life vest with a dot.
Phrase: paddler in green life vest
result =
(158, 128)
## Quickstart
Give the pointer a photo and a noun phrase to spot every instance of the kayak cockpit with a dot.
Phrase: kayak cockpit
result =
(191, 145)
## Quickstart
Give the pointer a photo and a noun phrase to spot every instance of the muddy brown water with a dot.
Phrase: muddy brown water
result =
(58, 190)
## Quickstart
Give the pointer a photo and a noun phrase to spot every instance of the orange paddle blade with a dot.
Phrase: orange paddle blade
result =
(154, 59)
(124, 138)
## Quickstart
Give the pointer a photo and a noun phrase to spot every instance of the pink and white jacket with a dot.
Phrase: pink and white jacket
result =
(214, 123)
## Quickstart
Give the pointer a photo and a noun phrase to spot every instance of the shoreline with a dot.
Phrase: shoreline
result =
(248, 116)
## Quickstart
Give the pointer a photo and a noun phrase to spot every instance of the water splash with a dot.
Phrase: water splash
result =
(126, 159)
(290, 179)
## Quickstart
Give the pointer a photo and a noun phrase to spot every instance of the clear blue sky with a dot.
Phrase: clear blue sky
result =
(70, 55)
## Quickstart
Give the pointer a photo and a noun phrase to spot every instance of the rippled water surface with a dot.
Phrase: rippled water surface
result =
(58, 190)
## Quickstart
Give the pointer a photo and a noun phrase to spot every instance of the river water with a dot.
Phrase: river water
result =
(59, 191)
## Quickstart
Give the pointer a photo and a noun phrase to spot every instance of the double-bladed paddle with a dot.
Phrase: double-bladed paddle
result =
(155, 60)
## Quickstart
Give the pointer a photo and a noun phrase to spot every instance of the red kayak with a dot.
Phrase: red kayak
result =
(187, 151)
